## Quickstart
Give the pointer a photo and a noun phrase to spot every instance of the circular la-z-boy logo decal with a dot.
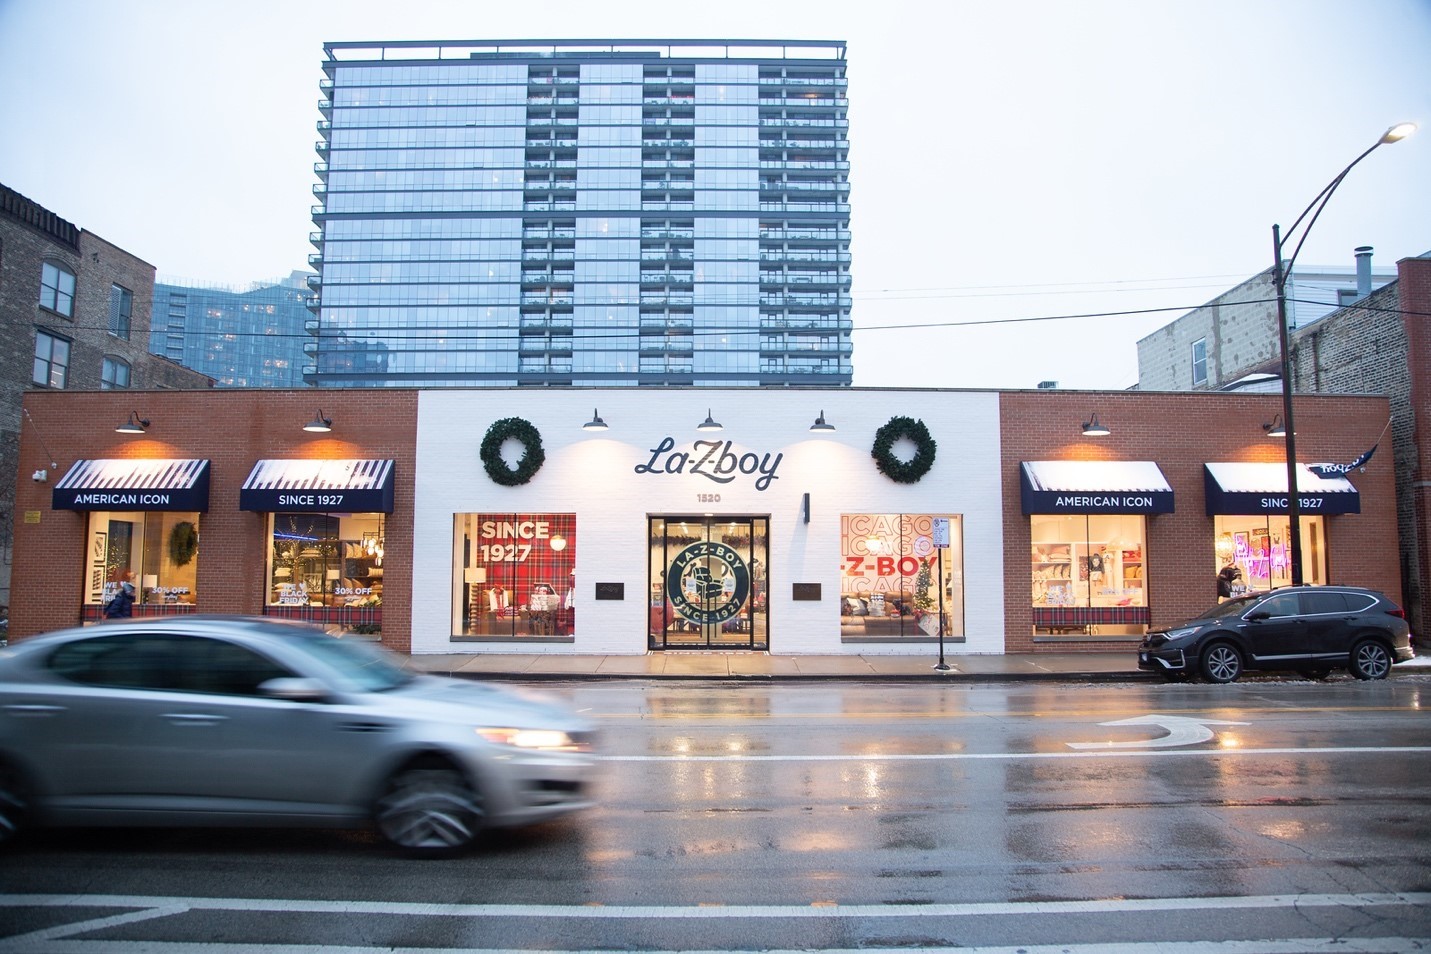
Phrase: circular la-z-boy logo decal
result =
(708, 583)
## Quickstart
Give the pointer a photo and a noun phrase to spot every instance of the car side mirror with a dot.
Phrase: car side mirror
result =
(294, 690)
(1257, 616)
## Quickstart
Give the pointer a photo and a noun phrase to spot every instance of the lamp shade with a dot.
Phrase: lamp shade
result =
(475, 574)
(134, 425)
(1092, 428)
(319, 424)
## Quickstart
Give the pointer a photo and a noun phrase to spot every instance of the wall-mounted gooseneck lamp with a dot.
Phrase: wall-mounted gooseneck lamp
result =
(595, 424)
(320, 424)
(135, 424)
(1276, 428)
(1092, 428)
(709, 424)
(821, 424)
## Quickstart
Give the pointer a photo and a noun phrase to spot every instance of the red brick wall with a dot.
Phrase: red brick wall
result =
(1181, 432)
(1414, 282)
(232, 429)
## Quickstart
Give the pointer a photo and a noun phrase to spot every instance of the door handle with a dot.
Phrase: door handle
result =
(363, 727)
(32, 709)
(194, 718)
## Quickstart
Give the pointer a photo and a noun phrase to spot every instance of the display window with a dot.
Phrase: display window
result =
(155, 551)
(895, 583)
(514, 575)
(1089, 575)
(1256, 547)
(327, 567)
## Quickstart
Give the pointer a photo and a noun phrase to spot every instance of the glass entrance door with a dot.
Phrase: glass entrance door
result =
(707, 582)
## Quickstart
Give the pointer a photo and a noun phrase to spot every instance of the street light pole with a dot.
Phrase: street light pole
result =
(1280, 271)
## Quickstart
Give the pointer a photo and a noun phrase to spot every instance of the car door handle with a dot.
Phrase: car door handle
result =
(33, 709)
(194, 718)
(363, 727)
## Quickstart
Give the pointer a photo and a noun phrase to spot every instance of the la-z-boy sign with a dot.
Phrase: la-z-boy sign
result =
(713, 460)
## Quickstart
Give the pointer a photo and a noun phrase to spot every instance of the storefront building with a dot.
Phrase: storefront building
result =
(626, 521)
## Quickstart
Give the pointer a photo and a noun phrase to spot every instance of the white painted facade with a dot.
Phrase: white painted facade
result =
(594, 476)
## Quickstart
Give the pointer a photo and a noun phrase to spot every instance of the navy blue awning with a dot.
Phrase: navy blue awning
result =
(323, 486)
(134, 484)
(1094, 486)
(1243, 489)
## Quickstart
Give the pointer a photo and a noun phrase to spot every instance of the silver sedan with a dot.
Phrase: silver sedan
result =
(206, 720)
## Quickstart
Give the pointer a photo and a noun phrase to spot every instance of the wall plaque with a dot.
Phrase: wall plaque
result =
(809, 592)
(611, 591)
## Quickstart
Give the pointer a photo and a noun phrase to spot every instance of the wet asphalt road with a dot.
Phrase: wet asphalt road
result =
(832, 816)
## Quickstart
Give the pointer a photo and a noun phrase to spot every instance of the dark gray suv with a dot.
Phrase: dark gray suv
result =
(1313, 629)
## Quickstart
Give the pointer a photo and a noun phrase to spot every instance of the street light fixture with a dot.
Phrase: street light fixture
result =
(1280, 269)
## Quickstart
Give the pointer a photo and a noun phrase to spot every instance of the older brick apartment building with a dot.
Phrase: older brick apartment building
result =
(1378, 344)
(74, 315)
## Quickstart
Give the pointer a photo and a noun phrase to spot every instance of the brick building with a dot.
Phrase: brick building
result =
(1375, 343)
(794, 521)
(74, 315)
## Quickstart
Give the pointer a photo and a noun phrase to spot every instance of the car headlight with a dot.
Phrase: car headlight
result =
(551, 740)
(1180, 633)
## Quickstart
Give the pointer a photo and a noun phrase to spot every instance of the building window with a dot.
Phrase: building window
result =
(121, 307)
(514, 574)
(1089, 575)
(890, 577)
(114, 375)
(57, 289)
(1200, 361)
(1256, 546)
(52, 360)
(138, 547)
(328, 560)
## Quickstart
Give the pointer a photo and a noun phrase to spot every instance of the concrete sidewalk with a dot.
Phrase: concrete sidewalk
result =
(713, 664)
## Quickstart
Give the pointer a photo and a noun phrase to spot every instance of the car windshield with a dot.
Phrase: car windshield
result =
(1230, 607)
(364, 666)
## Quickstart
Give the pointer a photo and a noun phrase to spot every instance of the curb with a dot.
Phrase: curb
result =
(965, 677)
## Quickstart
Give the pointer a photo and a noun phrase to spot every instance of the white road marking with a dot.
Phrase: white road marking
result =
(94, 924)
(1320, 945)
(1181, 731)
(1101, 753)
(704, 912)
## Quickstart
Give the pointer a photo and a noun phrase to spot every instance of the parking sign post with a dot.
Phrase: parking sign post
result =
(941, 543)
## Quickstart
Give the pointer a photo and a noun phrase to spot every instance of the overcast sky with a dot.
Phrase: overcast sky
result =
(1009, 160)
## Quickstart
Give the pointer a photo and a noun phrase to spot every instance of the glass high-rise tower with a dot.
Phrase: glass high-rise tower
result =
(601, 213)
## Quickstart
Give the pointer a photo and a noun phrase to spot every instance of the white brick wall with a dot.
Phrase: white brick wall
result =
(593, 475)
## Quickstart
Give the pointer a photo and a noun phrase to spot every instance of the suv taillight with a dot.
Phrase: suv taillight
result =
(1396, 611)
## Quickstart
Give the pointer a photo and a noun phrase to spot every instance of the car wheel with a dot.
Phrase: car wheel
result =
(13, 801)
(1221, 663)
(429, 808)
(1370, 660)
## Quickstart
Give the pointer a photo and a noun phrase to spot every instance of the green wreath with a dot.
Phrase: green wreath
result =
(183, 543)
(903, 472)
(517, 429)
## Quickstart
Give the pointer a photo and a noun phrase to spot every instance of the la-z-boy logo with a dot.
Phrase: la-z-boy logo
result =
(713, 460)
(708, 583)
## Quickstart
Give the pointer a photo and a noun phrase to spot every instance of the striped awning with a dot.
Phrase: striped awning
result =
(323, 486)
(1094, 486)
(134, 484)
(1243, 489)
